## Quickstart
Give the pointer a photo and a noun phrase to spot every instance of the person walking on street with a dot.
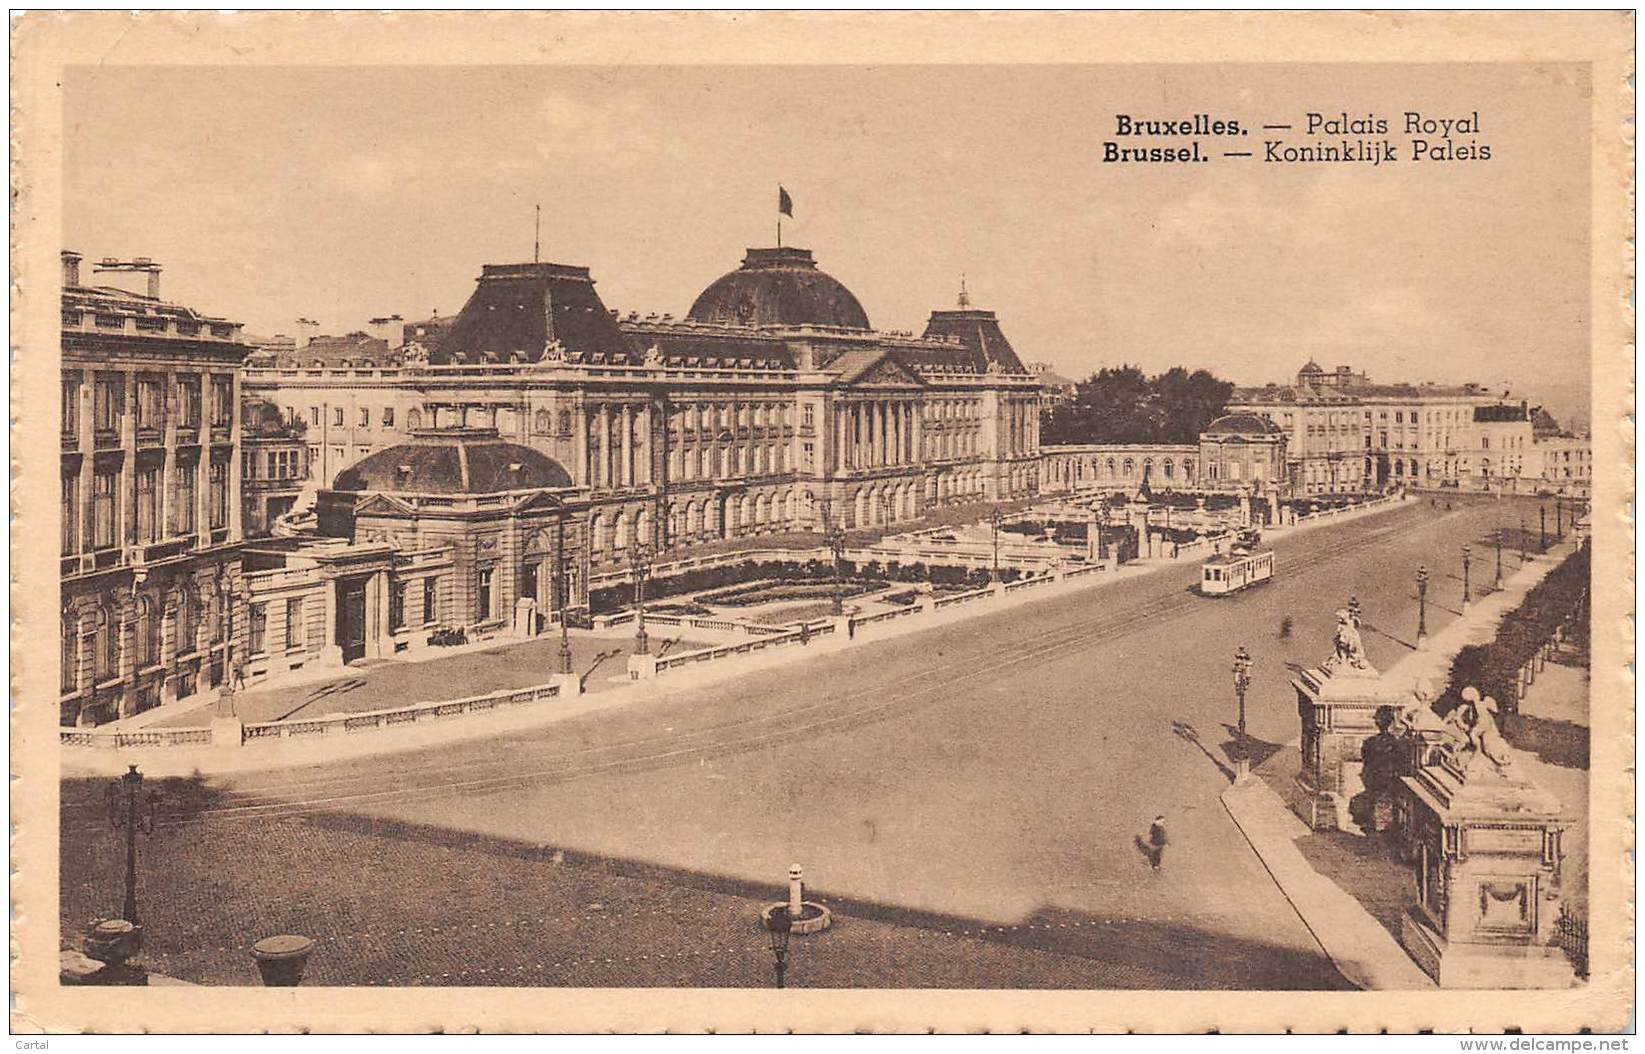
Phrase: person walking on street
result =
(1156, 843)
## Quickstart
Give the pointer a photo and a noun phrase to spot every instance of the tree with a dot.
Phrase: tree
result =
(1123, 405)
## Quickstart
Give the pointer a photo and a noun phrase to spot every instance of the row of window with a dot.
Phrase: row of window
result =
(155, 514)
(281, 464)
(152, 405)
(103, 635)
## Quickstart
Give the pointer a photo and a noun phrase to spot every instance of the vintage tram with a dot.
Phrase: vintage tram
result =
(1239, 569)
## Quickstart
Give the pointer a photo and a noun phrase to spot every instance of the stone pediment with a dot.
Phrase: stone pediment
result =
(539, 502)
(879, 371)
(383, 505)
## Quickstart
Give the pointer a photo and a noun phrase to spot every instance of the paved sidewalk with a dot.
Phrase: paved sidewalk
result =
(1364, 947)
(1360, 947)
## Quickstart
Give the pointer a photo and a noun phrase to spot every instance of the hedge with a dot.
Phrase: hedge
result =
(1494, 668)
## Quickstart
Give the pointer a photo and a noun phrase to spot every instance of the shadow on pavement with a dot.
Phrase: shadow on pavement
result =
(1562, 743)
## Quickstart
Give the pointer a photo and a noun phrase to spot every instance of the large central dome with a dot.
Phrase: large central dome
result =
(779, 287)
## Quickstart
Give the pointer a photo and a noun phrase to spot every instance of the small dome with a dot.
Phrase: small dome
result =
(779, 287)
(1242, 424)
(453, 461)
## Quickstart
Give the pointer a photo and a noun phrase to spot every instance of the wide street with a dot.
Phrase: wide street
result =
(967, 800)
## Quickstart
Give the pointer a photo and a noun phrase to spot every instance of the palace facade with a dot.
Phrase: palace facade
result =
(771, 406)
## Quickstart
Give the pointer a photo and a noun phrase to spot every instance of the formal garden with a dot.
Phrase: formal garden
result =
(757, 582)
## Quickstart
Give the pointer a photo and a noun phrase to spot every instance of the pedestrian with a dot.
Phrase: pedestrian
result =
(1156, 843)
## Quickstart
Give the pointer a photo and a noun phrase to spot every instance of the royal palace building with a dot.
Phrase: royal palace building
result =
(151, 507)
(773, 405)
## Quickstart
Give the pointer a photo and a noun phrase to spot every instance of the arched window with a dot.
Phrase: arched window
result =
(414, 419)
(596, 533)
(71, 652)
(542, 422)
(1170, 469)
(1111, 470)
(1187, 468)
(565, 422)
(642, 527)
(619, 532)
(1130, 466)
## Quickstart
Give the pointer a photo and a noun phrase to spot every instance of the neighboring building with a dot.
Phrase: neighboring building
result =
(771, 407)
(1056, 388)
(1345, 434)
(1243, 450)
(1563, 463)
(269, 351)
(274, 464)
(1500, 451)
(151, 514)
(357, 350)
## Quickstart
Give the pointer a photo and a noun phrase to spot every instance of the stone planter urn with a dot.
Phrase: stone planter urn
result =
(281, 959)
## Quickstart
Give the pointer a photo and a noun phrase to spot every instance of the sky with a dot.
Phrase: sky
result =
(340, 194)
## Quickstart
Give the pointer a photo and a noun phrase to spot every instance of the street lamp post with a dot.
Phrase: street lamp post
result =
(1467, 562)
(834, 538)
(1522, 538)
(1542, 528)
(1422, 606)
(996, 518)
(1498, 542)
(225, 601)
(640, 558)
(134, 813)
(1242, 681)
(565, 611)
(777, 927)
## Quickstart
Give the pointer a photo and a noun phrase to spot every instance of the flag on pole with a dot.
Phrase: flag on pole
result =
(785, 204)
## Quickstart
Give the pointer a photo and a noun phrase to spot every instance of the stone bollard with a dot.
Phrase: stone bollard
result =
(109, 945)
(281, 959)
(796, 892)
(642, 667)
(569, 684)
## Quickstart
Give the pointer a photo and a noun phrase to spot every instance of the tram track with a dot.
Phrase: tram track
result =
(415, 781)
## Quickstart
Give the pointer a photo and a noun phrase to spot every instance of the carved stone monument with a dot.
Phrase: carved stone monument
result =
(1337, 703)
(1487, 847)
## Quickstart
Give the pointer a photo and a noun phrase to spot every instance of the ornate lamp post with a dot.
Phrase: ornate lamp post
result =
(1467, 592)
(1242, 681)
(996, 518)
(777, 927)
(834, 538)
(1422, 606)
(565, 611)
(134, 813)
(640, 558)
(225, 601)
(1497, 541)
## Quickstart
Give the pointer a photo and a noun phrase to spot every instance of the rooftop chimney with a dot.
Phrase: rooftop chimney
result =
(71, 268)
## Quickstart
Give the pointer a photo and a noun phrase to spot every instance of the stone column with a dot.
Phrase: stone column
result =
(625, 467)
(580, 441)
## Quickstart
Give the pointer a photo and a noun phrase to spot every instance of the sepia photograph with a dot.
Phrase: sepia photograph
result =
(779, 527)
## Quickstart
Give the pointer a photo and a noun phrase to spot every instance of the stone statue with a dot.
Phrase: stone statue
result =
(553, 351)
(654, 356)
(1474, 734)
(1349, 649)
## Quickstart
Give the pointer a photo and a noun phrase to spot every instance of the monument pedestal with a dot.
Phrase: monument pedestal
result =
(570, 685)
(642, 667)
(1337, 703)
(227, 732)
(1488, 859)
